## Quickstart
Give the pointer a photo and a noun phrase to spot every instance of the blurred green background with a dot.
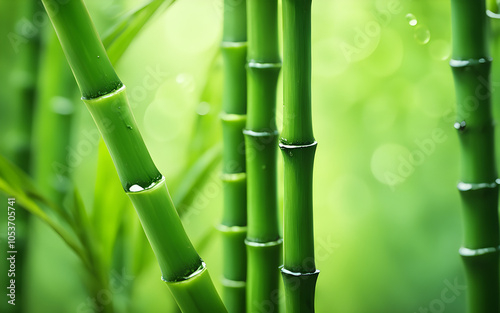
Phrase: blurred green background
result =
(387, 213)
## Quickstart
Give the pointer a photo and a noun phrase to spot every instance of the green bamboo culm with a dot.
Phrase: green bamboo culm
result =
(264, 245)
(298, 147)
(105, 97)
(478, 187)
(492, 6)
(234, 221)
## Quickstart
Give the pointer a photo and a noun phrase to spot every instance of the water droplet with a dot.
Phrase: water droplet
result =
(139, 188)
(422, 34)
(475, 186)
(412, 20)
(290, 153)
(62, 106)
(135, 188)
(459, 63)
(98, 57)
(460, 126)
(203, 108)
(476, 252)
(129, 127)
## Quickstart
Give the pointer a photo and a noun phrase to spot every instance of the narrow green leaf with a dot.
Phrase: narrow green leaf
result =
(15, 183)
(206, 127)
(195, 177)
(109, 203)
(19, 183)
(30, 204)
(121, 36)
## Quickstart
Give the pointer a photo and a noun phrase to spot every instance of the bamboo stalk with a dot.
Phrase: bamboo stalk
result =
(478, 187)
(17, 114)
(104, 95)
(53, 113)
(234, 221)
(261, 138)
(492, 6)
(298, 147)
(25, 67)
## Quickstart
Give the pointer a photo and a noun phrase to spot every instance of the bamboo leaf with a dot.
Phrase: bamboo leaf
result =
(16, 177)
(121, 36)
(80, 218)
(36, 204)
(18, 183)
(196, 175)
(109, 202)
(204, 135)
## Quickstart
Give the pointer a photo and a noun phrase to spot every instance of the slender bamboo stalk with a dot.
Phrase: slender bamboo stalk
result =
(234, 221)
(16, 130)
(23, 88)
(261, 138)
(478, 187)
(53, 113)
(105, 97)
(298, 146)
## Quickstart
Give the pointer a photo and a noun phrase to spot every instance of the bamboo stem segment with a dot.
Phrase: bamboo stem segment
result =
(234, 180)
(105, 97)
(263, 241)
(298, 148)
(92, 69)
(478, 188)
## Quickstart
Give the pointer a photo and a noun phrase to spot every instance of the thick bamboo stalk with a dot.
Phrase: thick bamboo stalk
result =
(298, 146)
(261, 138)
(478, 187)
(104, 94)
(234, 221)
